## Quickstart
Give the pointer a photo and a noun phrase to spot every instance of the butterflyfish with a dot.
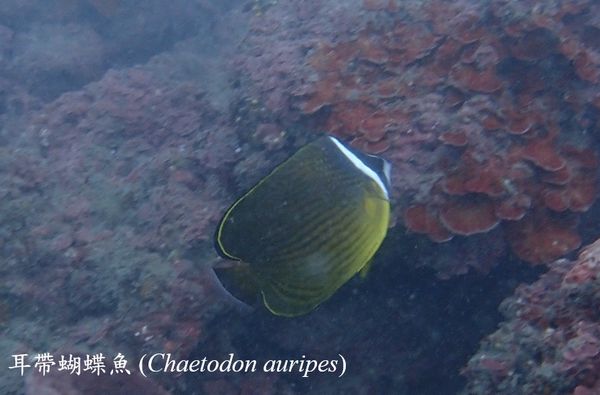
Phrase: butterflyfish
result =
(306, 228)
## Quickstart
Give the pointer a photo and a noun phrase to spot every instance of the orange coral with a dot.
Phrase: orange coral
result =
(420, 220)
(469, 215)
(468, 77)
(514, 208)
(434, 90)
(543, 154)
(457, 139)
(540, 238)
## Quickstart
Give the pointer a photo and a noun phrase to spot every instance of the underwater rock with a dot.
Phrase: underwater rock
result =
(54, 57)
(549, 341)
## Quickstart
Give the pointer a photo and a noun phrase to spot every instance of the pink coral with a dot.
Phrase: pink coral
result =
(127, 189)
(550, 339)
(501, 140)
(460, 108)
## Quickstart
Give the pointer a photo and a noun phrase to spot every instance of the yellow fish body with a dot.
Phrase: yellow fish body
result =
(309, 226)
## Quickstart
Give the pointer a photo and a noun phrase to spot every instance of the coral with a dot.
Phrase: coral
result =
(539, 238)
(549, 342)
(272, 63)
(468, 217)
(452, 95)
(110, 187)
(111, 191)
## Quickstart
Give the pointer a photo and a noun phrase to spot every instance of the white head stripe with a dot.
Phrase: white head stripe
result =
(360, 165)
(387, 170)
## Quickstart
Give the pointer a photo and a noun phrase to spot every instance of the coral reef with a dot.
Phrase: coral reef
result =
(272, 59)
(113, 177)
(549, 342)
(486, 110)
(110, 193)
